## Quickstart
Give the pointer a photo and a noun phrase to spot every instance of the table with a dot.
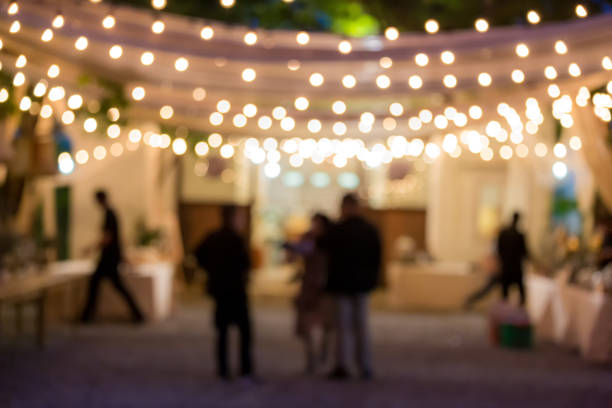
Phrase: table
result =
(434, 286)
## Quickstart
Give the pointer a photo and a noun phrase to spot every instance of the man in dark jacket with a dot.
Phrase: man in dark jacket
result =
(354, 263)
(224, 256)
(512, 252)
(108, 264)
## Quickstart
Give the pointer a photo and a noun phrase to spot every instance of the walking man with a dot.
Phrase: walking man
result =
(354, 251)
(512, 251)
(224, 256)
(108, 264)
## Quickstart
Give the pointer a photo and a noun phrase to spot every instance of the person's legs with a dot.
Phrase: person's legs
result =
(521, 288)
(505, 285)
(483, 291)
(244, 326)
(123, 291)
(92, 295)
(363, 349)
(222, 327)
(343, 323)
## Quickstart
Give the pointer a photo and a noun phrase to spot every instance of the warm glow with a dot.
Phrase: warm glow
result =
(391, 33)
(75, 101)
(250, 38)
(21, 61)
(383, 81)
(522, 50)
(349, 81)
(550, 72)
(199, 94)
(90, 125)
(47, 35)
(415, 82)
(421, 59)
(179, 146)
(227, 3)
(574, 70)
(249, 75)
(13, 8)
(81, 43)
(302, 38)
(345, 47)
(481, 25)
(581, 11)
(147, 58)
(158, 27)
(115, 52)
(224, 106)
(447, 57)
(215, 140)
(58, 21)
(207, 33)
(385, 62)
(158, 4)
(484, 79)
(108, 22)
(301, 103)
(138, 93)
(450, 81)
(561, 47)
(316, 79)
(518, 76)
(181, 64)
(166, 112)
(432, 26)
(314, 126)
(15, 27)
(533, 17)
(338, 107)
(201, 149)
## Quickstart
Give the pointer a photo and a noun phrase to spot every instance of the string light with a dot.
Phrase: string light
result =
(432, 26)
(447, 57)
(518, 76)
(421, 59)
(21, 61)
(207, 33)
(574, 70)
(115, 52)
(484, 79)
(345, 47)
(47, 35)
(250, 38)
(383, 81)
(550, 72)
(391, 33)
(316, 79)
(138, 93)
(181, 64)
(13, 8)
(301, 103)
(450, 81)
(58, 21)
(108, 22)
(581, 11)
(338, 107)
(179, 146)
(15, 27)
(533, 17)
(561, 47)
(158, 4)
(302, 38)
(166, 112)
(81, 43)
(349, 81)
(606, 63)
(481, 25)
(19, 79)
(147, 58)
(385, 62)
(249, 75)
(522, 50)
(415, 82)
(228, 3)
(158, 27)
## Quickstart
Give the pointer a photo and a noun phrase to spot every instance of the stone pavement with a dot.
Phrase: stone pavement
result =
(422, 361)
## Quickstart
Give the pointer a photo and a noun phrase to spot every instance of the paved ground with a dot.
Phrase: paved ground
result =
(422, 361)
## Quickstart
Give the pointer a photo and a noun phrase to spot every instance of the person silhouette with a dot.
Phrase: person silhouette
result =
(512, 251)
(354, 251)
(111, 256)
(224, 256)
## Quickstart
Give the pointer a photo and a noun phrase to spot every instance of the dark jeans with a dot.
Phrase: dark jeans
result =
(108, 269)
(228, 312)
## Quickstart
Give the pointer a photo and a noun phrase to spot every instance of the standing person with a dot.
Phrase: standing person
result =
(512, 251)
(108, 264)
(354, 251)
(224, 256)
(311, 302)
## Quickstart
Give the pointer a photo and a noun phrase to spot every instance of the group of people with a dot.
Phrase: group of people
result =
(341, 263)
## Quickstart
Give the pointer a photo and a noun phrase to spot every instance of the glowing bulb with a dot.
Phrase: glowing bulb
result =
(113, 131)
(287, 123)
(383, 81)
(339, 128)
(90, 125)
(432, 26)
(272, 170)
(138, 93)
(21, 61)
(533, 17)
(293, 65)
(581, 11)
(301, 103)
(47, 35)
(249, 75)
(179, 146)
(302, 38)
(338, 107)
(40, 89)
(201, 149)
(249, 110)
(391, 33)
(158, 4)
(207, 33)
(81, 43)
(314, 126)
(115, 52)
(158, 27)
(560, 47)
(75, 101)
(484, 79)
(215, 140)
(15, 27)
(385, 62)
(450, 81)
(345, 47)
(447, 57)
(58, 21)
(108, 22)
(481, 25)
(224, 106)
(82, 156)
(559, 150)
(25, 104)
(396, 109)
(181, 64)
(264, 122)
(279, 112)
(239, 120)
(226, 151)
(574, 70)
(316, 79)
(250, 38)
(65, 164)
(56, 93)
(475, 112)
(559, 170)
(99, 152)
(421, 59)
(13, 8)
(550, 72)
(415, 82)
(227, 3)
(199, 94)
(349, 81)
(147, 58)
(166, 112)
(135, 135)
(518, 76)
(522, 50)
(554, 91)
(606, 63)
